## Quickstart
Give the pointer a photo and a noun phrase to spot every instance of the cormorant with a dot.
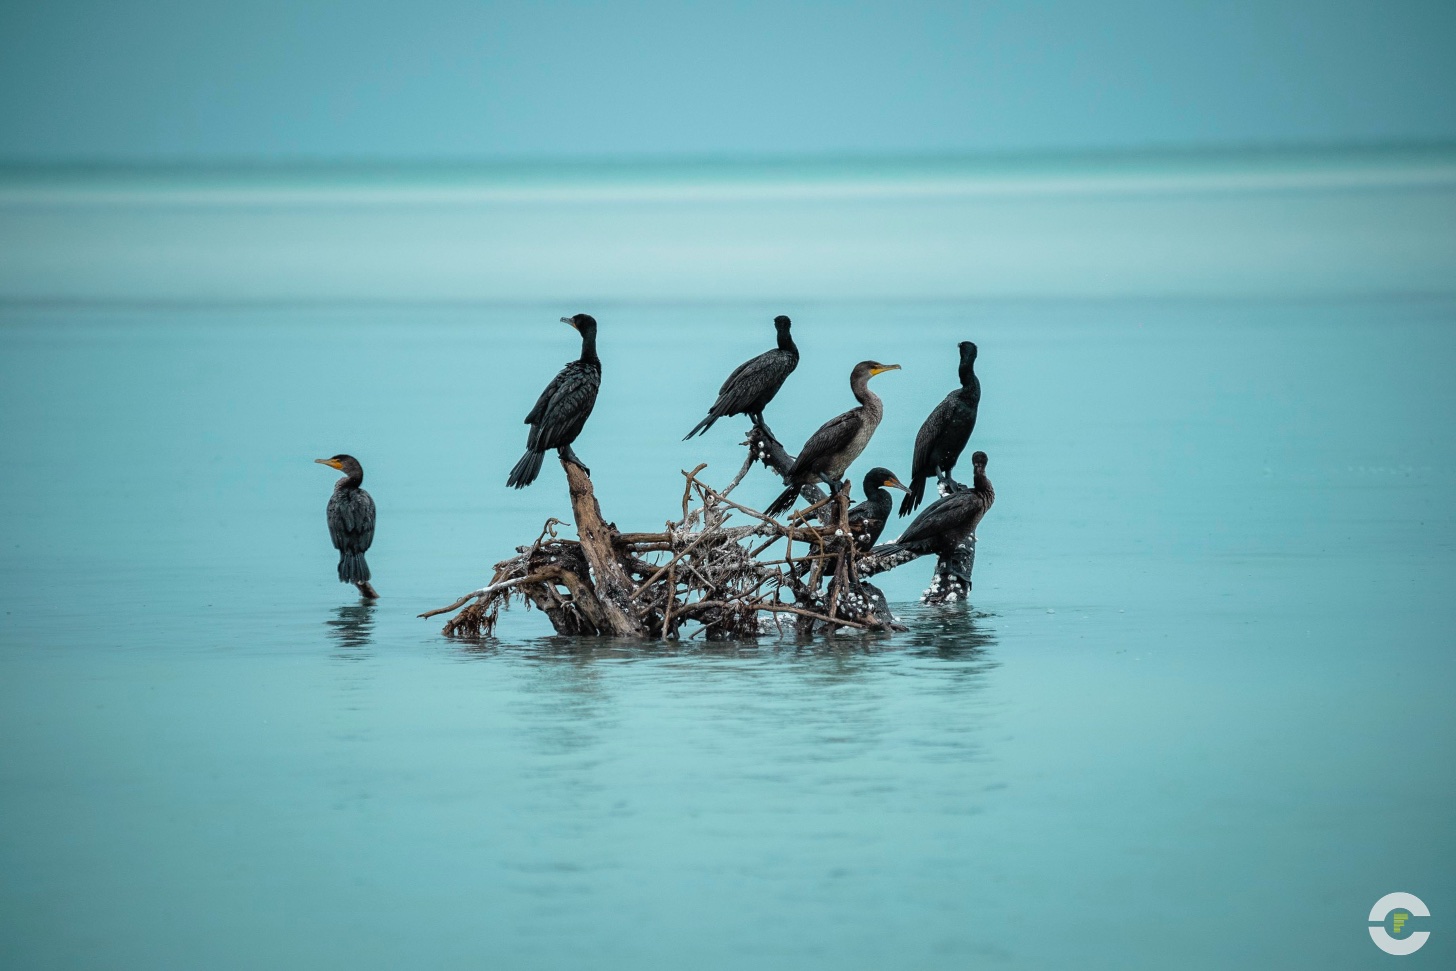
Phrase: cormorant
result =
(351, 522)
(563, 407)
(867, 520)
(945, 432)
(839, 441)
(946, 522)
(753, 384)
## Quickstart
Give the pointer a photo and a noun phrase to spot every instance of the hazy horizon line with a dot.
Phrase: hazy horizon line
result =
(844, 178)
(1125, 153)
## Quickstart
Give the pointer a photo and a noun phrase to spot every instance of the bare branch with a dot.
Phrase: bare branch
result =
(485, 592)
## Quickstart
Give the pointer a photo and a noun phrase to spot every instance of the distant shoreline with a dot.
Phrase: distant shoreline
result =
(1266, 224)
(1155, 169)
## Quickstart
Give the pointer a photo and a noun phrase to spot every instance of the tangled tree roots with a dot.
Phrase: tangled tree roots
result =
(703, 570)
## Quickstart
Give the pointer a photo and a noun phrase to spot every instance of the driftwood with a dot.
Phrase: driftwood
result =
(700, 571)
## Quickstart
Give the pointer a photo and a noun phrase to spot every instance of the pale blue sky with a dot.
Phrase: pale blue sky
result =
(281, 79)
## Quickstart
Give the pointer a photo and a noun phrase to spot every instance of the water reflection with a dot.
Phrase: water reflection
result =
(352, 629)
(773, 712)
(954, 632)
(568, 665)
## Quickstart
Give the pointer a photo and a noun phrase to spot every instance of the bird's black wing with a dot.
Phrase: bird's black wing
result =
(832, 437)
(751, 381)
(942, 518)
(351, 521)
(364, 519)
(564, 411)
(539, 408)
(931, 430)
(742, 369)
(866, 522)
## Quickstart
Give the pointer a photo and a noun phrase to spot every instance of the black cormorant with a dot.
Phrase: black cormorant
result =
(945, 432)
(351, 522)
(946, 522)
(563, 407)
(753, 384)
(867, 520)
(839, 441)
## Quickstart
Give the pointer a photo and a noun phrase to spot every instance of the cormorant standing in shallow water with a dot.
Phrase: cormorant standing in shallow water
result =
(839, 441)
(946, 522)
(867, 520)
(753, 384)
(563, 407)
(945, 432)
(351, 522)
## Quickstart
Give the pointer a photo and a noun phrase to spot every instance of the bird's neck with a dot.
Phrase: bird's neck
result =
(786, 343)
(589, 350)
(982, 487)
(866, 397)
(968, 376)
(350, 482)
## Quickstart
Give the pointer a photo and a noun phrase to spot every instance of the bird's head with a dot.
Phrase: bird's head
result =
(584, 323)
(868, 369)
(978, 461)
(347, 464)
(882, 478)
(782, 324)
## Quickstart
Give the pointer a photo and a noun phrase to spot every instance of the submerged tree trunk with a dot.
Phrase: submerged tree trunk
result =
(610, 584)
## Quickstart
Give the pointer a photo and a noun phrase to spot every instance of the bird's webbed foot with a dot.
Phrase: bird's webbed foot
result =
(567, 455)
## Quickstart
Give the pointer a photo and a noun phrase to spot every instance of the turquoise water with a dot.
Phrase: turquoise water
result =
(1197, 715)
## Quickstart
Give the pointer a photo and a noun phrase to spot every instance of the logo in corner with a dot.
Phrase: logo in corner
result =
(1399, 908)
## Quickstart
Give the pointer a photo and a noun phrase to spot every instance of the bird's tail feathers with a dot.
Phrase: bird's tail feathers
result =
(353, 568)
(526, 470)
(913, 495)
(702, 426)
(783, 502)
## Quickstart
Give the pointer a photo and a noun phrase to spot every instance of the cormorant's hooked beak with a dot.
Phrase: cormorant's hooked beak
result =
(568, 320)
(894, 483)
(331, 463)
(883, 368)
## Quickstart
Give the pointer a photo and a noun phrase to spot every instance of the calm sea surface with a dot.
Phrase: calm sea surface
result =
(1198, 715)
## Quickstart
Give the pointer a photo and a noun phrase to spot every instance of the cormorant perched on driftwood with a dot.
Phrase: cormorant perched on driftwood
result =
(946, 522)
(945, 432)
(839, 441)
(563, 407)
(867, 520)
(753, 384)
(351, 522)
